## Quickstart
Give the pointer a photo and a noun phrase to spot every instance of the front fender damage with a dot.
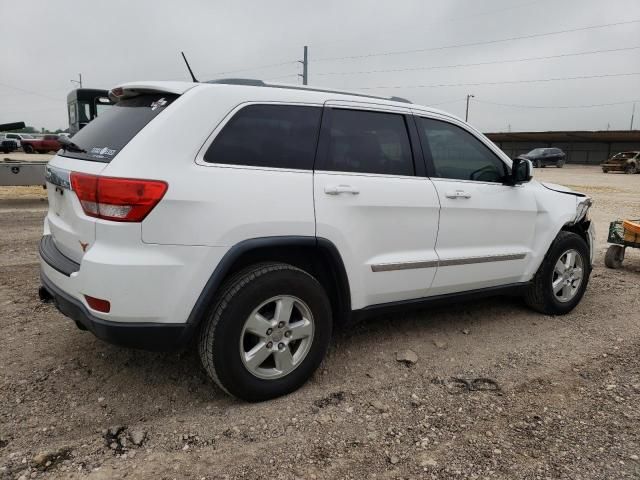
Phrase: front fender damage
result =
(582, 225)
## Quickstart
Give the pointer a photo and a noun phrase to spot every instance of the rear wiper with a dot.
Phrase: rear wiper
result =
(68, 145)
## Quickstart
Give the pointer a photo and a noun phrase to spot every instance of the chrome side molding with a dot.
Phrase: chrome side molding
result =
(388, 267)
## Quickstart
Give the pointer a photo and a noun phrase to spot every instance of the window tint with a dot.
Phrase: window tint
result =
(282, 136)
(368, 142)
(458, 154)
(105, 136)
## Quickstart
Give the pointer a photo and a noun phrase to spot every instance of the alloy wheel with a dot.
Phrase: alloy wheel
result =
(276, 337)
(567, 276)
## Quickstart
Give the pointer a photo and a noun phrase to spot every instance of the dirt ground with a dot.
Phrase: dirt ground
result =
(567, 403)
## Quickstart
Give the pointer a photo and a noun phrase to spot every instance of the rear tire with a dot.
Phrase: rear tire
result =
(230, 350)
(614, 256)
(541, 295)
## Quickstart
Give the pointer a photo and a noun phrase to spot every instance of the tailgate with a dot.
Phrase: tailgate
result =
(73, 232)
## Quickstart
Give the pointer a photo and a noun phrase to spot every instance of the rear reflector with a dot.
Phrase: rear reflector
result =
(117, 199)
(98, 304)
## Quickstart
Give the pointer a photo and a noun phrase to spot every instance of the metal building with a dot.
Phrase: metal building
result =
(581, 147)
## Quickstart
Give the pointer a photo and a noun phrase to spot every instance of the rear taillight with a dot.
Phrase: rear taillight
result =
(117, 199)
(98, 304)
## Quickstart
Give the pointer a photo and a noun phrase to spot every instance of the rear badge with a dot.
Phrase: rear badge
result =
(158, 103)
(100, 152)
(83, 245)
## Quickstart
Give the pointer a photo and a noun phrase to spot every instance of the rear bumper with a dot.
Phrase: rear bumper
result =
(146, 336)
(152, 289)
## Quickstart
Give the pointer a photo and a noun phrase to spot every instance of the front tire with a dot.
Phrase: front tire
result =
(267, 333)
(562, 279)
(28, 149)
(630, 169)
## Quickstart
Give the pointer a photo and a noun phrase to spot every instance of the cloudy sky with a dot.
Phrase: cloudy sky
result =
(418, 49)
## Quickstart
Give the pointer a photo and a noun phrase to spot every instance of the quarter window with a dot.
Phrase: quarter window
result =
(457, 154)
(368, 142)
(280, 136)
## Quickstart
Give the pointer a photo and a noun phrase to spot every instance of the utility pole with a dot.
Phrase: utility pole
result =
(466, 115)
(633, 114)
(305, 66)
(79, 81)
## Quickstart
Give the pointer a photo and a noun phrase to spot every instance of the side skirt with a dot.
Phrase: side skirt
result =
(514, 289)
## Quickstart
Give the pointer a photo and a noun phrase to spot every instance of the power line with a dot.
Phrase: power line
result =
(261, 67)
(22, 111)
(30, 92)
(472, 44)
(445, 103)
(506, 82)
(553, 107)
(564, 55)
(282, 76)
(455, 19)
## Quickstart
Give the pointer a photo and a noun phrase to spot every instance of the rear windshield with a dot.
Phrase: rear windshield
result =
(104, 137)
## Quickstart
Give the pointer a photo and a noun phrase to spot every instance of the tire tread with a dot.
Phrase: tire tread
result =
(229, 289)
(535, 295)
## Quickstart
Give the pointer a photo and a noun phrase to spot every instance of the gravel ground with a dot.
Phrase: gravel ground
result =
(561, 400)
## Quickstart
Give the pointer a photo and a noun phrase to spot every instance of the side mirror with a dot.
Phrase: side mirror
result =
(520, 171)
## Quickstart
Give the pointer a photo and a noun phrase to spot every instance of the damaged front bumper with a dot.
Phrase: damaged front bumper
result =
(583, 204)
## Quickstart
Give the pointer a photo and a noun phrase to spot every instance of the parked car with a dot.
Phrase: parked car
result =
(281, 212)
(7, 145)
(627, 162)
(541, 157)
(18, 137)
(48, 143)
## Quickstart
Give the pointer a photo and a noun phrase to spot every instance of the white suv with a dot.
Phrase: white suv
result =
(275, 213)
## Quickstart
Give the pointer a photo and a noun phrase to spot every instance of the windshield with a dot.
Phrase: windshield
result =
(27, 136)
(104, 137)
(536, 151)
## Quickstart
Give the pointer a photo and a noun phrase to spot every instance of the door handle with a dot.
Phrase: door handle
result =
(338, 189)
(458, 194)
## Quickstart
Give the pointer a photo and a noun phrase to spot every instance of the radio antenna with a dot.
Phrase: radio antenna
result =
(193, 77)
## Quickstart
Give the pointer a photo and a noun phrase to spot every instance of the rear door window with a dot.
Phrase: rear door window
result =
(104, 137)
(362, 141)
(275, 136)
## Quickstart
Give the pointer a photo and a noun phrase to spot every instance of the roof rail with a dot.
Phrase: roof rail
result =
(239, 81)
(260, 83)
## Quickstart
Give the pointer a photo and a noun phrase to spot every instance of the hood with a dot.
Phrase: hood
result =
(562, 189)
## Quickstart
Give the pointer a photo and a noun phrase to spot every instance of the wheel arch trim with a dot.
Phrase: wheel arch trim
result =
(223, 268)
